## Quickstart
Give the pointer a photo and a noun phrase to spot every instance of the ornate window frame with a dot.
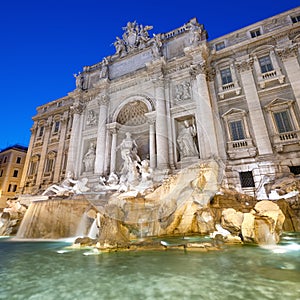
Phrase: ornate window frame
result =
(283, 138)
(265, 78)
(230, 87)
(238, 148)
(50, 163)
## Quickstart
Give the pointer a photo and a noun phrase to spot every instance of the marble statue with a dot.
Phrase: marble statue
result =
(156, 47)
(104, 68)
(120, 47)
(81, 82)
(135, 36)
(68, 186)
(89, 158)
(185, 140)
(128, 153)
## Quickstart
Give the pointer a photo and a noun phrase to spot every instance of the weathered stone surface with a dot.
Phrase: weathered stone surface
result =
(232, 220)
(264, 224)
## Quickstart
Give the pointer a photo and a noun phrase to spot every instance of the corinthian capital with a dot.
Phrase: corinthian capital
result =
(199, 68)
(285, 53)
(103, 100)
(77, 108)
(244, 65)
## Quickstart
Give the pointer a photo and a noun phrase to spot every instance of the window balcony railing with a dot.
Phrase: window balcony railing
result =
(286, 138)
(269, 77)
(241, 148)
(229, 88)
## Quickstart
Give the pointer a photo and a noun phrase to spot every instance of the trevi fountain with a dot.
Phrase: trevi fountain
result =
(139, 232)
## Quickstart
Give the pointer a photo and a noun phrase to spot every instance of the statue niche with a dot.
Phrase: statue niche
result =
(187, 139)
(89, 158)
(133, 122)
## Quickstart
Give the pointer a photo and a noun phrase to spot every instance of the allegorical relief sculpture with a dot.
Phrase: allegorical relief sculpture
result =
(91, 118)
(186, 139)
(183, 91)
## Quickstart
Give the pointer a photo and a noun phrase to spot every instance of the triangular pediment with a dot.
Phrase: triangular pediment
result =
(279, 102)
(234, 111)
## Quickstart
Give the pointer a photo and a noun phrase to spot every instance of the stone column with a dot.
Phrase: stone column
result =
(44, 151)
(291, 64)
(101, 136)
(161, 126)
(152, 144)
(107, 152)
(255, 111)
(113, 155)
(221, 142)
(60, 152)
(77, 110)
(207, 137)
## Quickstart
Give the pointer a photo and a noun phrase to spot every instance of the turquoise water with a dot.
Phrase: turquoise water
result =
(48, 270)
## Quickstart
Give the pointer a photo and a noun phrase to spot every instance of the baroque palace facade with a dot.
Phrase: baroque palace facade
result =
(181, 98)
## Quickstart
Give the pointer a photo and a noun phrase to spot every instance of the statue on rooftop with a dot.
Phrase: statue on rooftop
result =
(135, 36)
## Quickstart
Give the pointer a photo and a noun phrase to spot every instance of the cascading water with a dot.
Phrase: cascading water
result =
(52, 219)
(93, 232)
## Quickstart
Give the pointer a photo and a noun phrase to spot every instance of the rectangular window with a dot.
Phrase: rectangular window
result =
(14, 188)
(9, 188)
(41, 132)
(265, 64)
(295, 19)
(220, 46)
(49, 165)
(283, 121)
(5, 159)
(16, 172)
(18, 161)
(237, 130)
(226, 76)
(1, 173)
(255, 33)
(56, 126)
(32, 169)
(246, 179)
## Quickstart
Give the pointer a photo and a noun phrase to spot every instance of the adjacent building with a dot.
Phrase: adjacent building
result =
(12, 160)
(182, 98)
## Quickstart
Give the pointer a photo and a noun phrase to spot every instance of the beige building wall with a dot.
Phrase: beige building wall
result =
(12, 160)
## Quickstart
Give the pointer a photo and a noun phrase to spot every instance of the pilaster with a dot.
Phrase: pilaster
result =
(62, 138)
(77, 110)
(289, 57)
(255, 111)
(103, 101)
(44, 151)
(156, 69)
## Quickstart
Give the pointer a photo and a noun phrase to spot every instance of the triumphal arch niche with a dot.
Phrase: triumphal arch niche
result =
(134, 117)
